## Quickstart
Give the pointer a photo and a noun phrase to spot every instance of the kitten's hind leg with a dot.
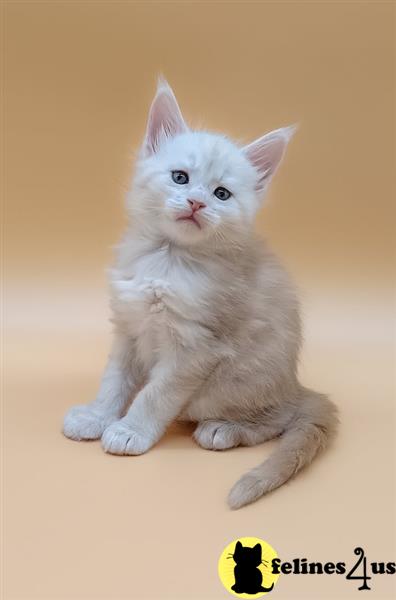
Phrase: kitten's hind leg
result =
(236, 589)
(221, 434)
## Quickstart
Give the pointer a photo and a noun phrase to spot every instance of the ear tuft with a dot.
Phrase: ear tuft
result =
(165, 118)
(162, 84)
(266, 153)
(289, 131)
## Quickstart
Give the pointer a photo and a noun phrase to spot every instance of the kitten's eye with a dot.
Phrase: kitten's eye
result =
(222, 193)
(180, 177)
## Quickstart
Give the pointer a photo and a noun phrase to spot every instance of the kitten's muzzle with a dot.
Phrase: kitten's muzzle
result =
(191, 217)
(196, 204)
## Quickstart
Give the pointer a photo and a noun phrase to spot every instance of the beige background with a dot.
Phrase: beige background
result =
(78, 80)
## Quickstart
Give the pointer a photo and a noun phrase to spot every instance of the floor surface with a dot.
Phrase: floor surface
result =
(82, 524)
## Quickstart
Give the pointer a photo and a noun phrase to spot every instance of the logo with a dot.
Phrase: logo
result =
(245, 568)
(250, 567)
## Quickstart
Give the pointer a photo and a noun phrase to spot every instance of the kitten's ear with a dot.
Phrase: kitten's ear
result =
(266, 153)
(238, 547)
(165, 119)
(257, 549)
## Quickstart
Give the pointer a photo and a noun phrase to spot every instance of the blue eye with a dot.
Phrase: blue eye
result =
(221, 193)
(180, 177)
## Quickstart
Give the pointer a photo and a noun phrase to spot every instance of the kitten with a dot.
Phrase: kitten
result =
(248, 577)
(206, 322)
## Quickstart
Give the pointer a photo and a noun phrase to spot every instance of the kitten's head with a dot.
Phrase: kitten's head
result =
(246, 555)
(191, 186)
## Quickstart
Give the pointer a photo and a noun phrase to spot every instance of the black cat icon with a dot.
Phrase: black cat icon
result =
(248, 577)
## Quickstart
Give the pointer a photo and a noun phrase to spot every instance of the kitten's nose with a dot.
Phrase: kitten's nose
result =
(196, 204)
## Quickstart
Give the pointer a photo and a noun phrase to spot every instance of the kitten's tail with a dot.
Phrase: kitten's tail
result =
(265, 589)
(309, 433)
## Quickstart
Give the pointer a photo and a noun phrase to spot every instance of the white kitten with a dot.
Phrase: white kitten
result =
(206, 321)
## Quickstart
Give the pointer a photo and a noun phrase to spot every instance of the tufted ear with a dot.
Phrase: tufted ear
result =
(165, 119)
(266, 153)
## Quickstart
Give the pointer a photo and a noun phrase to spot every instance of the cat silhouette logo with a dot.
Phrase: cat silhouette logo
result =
(245, 568)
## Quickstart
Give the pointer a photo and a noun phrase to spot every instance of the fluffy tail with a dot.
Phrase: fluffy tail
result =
(308, 433)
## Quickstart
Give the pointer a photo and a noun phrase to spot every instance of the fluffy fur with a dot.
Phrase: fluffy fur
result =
(206, 321)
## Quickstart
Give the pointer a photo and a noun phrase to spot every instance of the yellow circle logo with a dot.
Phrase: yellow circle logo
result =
(245, 568)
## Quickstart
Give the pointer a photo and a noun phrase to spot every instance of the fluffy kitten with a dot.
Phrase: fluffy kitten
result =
(206, 321)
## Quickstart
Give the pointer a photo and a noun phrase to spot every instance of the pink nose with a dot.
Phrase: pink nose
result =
(196, 204)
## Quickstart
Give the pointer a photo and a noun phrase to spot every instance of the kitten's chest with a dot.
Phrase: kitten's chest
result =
(161, 299)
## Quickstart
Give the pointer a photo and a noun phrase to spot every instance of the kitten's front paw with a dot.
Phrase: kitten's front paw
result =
(121, 438)
(84, 423)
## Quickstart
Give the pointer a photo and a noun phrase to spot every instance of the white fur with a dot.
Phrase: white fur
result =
(206, 321)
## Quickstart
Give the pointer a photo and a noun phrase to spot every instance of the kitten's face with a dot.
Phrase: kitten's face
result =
(196, 186)
(192, 186)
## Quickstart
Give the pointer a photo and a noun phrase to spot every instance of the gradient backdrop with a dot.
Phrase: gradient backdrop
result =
(79, 77)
